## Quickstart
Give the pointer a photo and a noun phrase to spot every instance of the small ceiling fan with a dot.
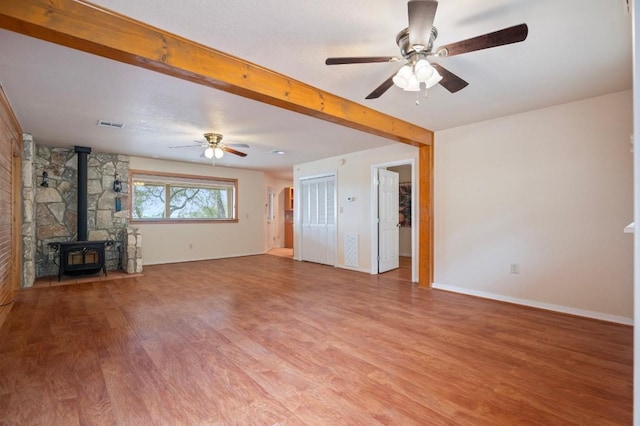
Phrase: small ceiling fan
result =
(214, 148)
(416, 45)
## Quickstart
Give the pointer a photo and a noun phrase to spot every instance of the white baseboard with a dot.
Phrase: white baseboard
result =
(535, 304)
(351, 268)
(200, 259)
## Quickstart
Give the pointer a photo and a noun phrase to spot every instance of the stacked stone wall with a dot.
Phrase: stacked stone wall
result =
(133, 252)
(55, 206)
(28, 212)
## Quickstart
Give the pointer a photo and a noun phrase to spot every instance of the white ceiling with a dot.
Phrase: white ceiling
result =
(575, 49)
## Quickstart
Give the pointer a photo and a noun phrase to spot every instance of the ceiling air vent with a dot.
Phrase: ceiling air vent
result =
(111, 124)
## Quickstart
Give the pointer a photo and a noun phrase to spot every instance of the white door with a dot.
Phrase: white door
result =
(388, 223)
(318, 220)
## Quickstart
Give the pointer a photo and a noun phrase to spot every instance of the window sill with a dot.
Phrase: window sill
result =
(182, 221)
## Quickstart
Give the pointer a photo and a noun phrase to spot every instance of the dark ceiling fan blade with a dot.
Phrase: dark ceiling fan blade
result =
(360, 60)
(379, 91)
(238, 145)
(421, 15)
(514, 34)
(450, 81)
(233, 151)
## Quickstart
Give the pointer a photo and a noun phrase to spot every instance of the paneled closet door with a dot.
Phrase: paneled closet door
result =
(318, 220)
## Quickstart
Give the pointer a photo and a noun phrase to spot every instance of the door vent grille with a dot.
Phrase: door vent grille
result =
(351, 250)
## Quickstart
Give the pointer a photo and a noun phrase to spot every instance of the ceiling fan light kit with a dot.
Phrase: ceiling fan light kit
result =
(211, 152)
(409, 77)
(416, 45)
(214, 148)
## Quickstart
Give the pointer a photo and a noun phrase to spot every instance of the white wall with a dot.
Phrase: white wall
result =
(179, 242)
(550, 190)
(353, 175)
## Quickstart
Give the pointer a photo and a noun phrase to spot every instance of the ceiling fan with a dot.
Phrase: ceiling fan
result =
(214, 148)
(416, 45)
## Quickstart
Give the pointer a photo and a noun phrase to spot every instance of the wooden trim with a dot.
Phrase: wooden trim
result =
(90, 28)
(179, 175)
(425, 245)
(174, 221)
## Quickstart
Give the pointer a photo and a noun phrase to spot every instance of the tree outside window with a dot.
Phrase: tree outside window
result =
(167, 198)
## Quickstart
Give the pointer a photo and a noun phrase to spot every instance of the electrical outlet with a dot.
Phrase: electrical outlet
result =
(515, 268)
(51, 257)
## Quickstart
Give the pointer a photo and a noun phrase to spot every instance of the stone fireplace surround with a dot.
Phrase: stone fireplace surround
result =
(49, 212)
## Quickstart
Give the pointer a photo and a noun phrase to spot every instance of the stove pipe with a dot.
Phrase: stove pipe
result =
(82, 152)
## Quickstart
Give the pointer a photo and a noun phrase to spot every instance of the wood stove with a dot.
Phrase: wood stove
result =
(81, 257)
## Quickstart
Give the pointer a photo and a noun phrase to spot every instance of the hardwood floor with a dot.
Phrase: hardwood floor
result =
(265, 340)
(401, 273)
(281, 251)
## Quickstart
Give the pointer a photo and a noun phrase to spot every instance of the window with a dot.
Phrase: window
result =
(168, 198)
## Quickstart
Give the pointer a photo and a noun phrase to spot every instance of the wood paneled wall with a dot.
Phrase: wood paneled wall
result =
(10, 148)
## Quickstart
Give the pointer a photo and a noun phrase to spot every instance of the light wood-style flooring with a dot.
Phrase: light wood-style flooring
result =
(267, 340)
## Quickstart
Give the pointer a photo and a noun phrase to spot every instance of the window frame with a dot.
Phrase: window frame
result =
(198, 179)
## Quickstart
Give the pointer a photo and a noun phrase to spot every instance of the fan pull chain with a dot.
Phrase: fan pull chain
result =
(426, 96)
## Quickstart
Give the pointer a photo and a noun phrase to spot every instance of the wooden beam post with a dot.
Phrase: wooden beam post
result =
(425, 245)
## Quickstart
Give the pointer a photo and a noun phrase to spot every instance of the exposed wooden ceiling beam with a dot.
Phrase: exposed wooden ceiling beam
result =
(84, 26)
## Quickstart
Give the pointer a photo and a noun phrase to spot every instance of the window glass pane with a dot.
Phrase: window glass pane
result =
(148, 201)
(199, 203)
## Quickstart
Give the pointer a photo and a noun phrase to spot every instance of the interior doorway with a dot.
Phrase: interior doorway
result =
(288, 217)
(406, 205)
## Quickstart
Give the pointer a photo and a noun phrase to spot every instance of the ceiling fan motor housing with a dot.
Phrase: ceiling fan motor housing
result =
(213, 138)
(406, 49)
